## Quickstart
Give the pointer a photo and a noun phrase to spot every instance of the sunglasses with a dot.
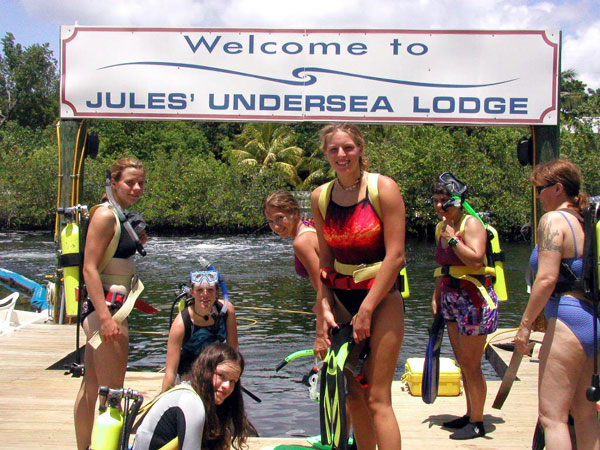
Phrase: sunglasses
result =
(539, 189)
(206, 276)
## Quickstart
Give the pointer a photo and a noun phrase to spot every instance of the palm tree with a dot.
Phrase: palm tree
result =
(319, 170)
(270, 145)
(572, 95)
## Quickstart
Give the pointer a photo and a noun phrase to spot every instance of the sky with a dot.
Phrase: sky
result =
(38, 21)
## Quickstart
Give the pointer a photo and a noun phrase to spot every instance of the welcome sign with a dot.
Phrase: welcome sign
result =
(380, 76)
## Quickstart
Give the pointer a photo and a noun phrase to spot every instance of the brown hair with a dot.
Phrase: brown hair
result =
(283, 201)
(351, 130)
(227, 422)
(566, 173)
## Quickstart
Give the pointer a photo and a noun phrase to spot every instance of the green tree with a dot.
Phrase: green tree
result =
(270, 145)
(315, 170)
(144, 138)
(28, 84)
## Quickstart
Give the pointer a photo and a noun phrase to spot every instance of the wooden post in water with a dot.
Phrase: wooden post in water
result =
(546, 147)
(72, 137)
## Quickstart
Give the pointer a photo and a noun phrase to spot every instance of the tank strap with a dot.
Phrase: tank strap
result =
(123, 312)
(359, 272)
(324, 197)
(187, 324)
(307, 229)
(114, 242)
(373, 192)
(465, 273)
(111, 279)
(173, 444)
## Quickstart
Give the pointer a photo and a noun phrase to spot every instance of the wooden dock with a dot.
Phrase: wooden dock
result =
(36, 404)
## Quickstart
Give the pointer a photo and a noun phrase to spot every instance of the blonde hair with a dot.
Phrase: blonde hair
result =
(351, 130)
(117, 168)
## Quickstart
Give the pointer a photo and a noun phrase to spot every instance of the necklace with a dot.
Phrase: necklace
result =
(205, 317)
(353, 186)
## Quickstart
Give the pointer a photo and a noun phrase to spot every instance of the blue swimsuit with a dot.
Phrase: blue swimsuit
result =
(197, 338)
(577, 314)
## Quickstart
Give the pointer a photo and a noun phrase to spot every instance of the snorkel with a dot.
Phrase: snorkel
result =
(208, 266)
(122, 218)
(457, 190)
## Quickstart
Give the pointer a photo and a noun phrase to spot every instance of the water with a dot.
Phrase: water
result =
(259, 273)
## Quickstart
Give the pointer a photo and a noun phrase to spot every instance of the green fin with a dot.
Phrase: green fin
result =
(315, 441)
(332, 407)
(286, 447)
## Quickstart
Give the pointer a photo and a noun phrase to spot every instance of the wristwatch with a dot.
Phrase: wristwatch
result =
(452, 242)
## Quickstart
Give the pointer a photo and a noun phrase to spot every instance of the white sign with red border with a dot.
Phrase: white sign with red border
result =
(378, 76)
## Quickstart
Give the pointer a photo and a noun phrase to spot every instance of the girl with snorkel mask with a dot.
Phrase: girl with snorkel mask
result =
(465, 296)
(203, 321)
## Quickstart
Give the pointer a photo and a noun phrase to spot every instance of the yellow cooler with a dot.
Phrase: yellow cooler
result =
(449, 384)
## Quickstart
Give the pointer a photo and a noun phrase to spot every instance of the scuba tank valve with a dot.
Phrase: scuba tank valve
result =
(106, 433)
(113, 426)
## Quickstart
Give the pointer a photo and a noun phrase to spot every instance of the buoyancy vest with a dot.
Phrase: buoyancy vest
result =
(195, 340)
(109, 253)
(361, 276)
(465, 273)
(587, 279)
(111, 249)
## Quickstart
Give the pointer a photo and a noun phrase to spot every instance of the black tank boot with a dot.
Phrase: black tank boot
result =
(457, 423)
(470, 431)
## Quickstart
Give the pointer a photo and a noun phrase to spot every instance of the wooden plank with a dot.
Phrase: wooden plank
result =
(36, 405)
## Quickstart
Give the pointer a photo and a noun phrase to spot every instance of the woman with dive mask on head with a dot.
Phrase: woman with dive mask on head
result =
(206, 320)
(464, 295)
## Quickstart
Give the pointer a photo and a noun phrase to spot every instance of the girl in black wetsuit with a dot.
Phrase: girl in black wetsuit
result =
(207, 411)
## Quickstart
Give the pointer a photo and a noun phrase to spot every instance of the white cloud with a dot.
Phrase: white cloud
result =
(579, 19)
(580, 53)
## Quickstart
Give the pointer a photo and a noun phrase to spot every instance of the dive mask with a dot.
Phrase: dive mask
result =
(204, 276)
(457, 189)
(137, 222)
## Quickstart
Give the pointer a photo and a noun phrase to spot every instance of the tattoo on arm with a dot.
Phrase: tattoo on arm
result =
(548, 236)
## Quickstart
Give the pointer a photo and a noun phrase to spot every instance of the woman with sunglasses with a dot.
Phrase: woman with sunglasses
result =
(205, 321)
(567, 352)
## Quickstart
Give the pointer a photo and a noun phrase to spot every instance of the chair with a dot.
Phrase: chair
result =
(7, 305)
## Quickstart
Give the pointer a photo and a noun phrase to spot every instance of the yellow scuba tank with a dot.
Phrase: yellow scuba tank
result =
(106, 433)
(69, 243)
(496, 255)
(500, 281)
(405, 288)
